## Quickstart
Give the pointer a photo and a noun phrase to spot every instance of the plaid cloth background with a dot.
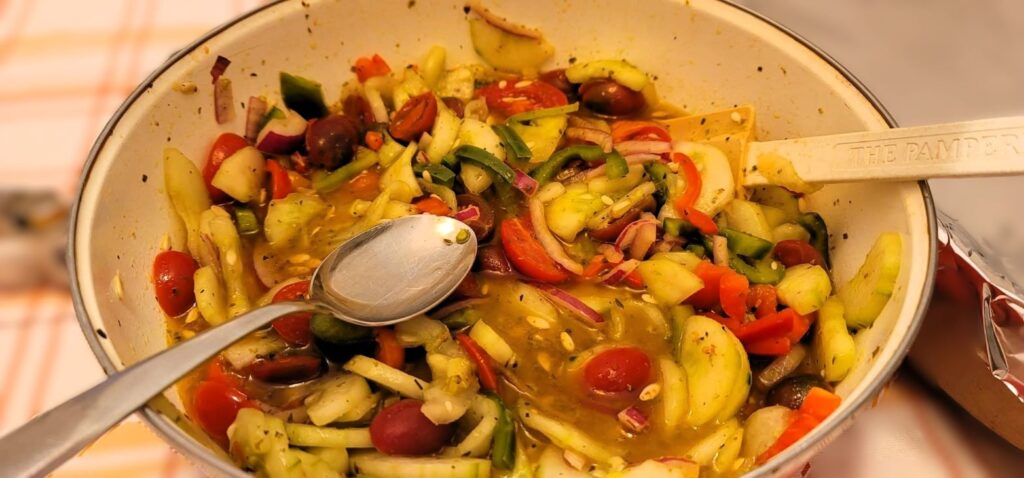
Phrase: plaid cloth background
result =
(66, 65)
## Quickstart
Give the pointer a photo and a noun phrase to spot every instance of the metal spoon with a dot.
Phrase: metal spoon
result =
(386, 275)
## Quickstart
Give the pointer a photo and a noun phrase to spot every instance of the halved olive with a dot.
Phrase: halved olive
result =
(332, 141)
(606, 97)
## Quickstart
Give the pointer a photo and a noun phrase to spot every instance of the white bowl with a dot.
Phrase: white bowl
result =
(705, 54)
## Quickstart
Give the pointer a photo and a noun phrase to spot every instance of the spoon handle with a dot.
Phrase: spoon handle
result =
(991, 147)
(39, 446)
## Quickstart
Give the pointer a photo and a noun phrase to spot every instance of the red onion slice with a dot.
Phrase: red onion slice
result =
(612, 253)
(633, 419)
(223, 101)
(282, 135)
(257, 109)
(220, 65)
(467, 213)
(646, 235)
(627, 148)
(600, 138)
(569, 302)
(620, 272)
(548, 240)
(525, 183)
(629, 233)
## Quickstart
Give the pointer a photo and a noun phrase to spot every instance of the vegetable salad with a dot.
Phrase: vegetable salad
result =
(633, 311)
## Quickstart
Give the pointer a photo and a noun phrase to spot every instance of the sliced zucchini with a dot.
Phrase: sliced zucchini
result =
(718, 186)
(669, 282)
(867, 292)
(377, 465)
(712, 361)
(833, 345)
(804, 288)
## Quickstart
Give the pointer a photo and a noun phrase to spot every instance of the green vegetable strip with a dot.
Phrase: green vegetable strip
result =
(304, 96)
(503, 448)
(514, 145)
(274, 113)
(329, 329)
(746, 245)
(487, 161)
(246, 220)
(548, 169)
(615, 166)
(697, 249)
(659, 173)
(544, 113)
(815, 226)
(441, 175)
(679, 227)
(760, 273)
(338, 177)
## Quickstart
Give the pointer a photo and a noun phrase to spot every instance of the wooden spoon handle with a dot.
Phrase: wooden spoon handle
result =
(991, 147)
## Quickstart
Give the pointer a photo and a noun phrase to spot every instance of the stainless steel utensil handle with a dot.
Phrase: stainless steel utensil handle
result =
(42, 444)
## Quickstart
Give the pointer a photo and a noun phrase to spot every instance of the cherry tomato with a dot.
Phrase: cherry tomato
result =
(280, 183)
(558, 79)
(622, 369)
(733, 290)
(368, 67)
(287, 368)
(216, 405)
(217, 371)
(402, 429)
(522, 96)
(374, 140)
(711, 274)
(172, 279)
(389, 351)
(793, 252)
(332, 141)
(225, 145)
(294, 328)
(527, 255)
(414, 118)
(606, 97)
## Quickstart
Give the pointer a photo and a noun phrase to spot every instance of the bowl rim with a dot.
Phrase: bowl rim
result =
(195, 452)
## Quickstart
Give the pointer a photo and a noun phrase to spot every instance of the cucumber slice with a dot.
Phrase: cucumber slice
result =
(867, 292)
(703, 453)
(618, 71)
(778, 198)
(804, 288)
(568, 214)
(387, 376)
(493, 344)
(567, 436)
(337, 397)
(728, 453)
(686, 259)
(670, 468)
(552, 465)
(673, 394)
(833, 346)
(712, 362)
(309, 435)
(790, 231)
(718, 186)
(541, 135)
(444, 134)
(740, 387)
(377, 465)
(669, 282)
(241, 174)
(763, 427)
(747, 217)
(507, 51)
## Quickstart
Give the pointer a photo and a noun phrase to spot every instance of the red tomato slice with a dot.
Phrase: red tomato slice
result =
(172, 279)
(510, 97)
(225, 145)
(216, 405)
(217, 371)
(294, 328)
(801, 324)
(772, 326)
(389, 351)
(526, 254)
(707, 298)
(484, 362)
(733, 290)
(280, 183)
(287, 368)
(618, 370)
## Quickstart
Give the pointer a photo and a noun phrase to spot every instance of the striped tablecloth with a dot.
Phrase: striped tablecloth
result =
(66, 65)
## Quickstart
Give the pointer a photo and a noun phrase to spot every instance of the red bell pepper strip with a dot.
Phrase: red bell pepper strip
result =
(772, 346)
(368, 67)
(708, 297)
(801, 323)
(432, 205)
(817, 406)
(701, 221)
(389, 351)
(773, 326)
(484, 362)
(693, 183)
(280, 183)
(733, 290)
(628, 130)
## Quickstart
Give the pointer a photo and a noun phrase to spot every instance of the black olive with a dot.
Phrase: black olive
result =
(484, 224)
(332, 141)
(606, 97)
(790, 392)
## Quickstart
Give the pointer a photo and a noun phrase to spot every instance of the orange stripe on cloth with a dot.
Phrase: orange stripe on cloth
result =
(8, 43)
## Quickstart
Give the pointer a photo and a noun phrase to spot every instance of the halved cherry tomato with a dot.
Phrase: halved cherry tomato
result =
(172, 279)
(514, 97)
(370, 66)
(414, 118)
(374, 140)
(287, 368)
(402, 429)
(294, 328)
(618, 370)
(389, 350)
(763, 299)
(801, 324)
(711, 274)
(280, 183)
(527, 255)
(217, 371)
(366, 185)
(225, 145)
(772, 326)
(432, 205)
(630, 130)
(770, 347)
(216, 405)
(793, 252)
(733, 290)
(693, 182)
(484, 363)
